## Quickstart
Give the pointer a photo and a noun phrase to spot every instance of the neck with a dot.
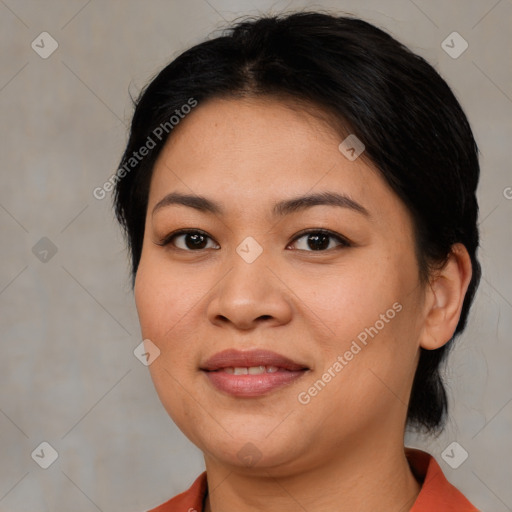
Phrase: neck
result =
(366, 477)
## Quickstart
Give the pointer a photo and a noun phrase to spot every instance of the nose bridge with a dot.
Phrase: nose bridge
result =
(250, 250)
(249, 276)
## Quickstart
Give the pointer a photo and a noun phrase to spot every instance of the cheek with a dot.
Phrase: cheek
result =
(164, 299)
(352, 298)
(162, 296)
(162, 305)
(371, 311)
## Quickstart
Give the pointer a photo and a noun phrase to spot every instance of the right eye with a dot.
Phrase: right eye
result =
(192, 240)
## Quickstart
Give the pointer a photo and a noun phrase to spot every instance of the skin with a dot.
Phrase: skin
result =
(343, 451)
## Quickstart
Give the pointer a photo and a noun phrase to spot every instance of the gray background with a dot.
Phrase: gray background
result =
(68, 324)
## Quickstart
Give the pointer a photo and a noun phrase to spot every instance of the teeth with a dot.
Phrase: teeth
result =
(256, 370)
(253, 370)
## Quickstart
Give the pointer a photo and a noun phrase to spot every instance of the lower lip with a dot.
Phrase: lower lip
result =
(252, 385)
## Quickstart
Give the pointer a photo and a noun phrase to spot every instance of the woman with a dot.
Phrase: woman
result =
(298, 197)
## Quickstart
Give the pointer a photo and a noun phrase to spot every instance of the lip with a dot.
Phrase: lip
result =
(258, 357)
(288, 371)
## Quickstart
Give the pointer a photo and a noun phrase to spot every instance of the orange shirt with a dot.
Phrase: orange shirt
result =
(436, 495)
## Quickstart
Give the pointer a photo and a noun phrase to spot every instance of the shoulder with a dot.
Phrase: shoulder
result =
(436, 492)
(190, 500)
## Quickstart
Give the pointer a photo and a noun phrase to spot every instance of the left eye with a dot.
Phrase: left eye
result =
(320, 240)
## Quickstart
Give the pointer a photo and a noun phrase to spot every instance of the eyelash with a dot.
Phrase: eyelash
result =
(344, 242)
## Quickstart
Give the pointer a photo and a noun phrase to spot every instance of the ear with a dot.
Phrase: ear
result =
(445, 296)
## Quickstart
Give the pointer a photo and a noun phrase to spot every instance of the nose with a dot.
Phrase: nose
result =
(249, 295)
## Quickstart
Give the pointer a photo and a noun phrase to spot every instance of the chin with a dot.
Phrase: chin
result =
(254, 453)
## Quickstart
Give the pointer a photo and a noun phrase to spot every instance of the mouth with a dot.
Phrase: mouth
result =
(251, 370)
(251, 373)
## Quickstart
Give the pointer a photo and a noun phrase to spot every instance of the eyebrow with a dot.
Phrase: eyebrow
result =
(280, 209)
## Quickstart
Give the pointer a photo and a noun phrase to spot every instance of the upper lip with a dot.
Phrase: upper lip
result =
(233, 358)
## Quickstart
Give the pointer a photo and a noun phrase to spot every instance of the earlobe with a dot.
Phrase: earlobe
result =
(446, 293)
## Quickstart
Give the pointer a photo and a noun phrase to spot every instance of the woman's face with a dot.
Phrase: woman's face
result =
(349, 314)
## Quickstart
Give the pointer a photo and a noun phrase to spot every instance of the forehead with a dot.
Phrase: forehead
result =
(218, 129)
(246, 151)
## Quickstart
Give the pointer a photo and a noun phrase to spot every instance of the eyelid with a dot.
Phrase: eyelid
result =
(344, 242)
